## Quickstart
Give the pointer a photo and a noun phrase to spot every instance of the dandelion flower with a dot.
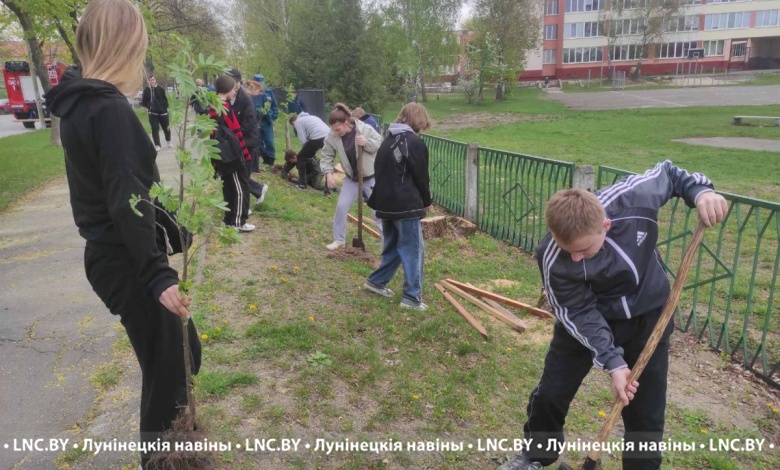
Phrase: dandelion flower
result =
(224, 322)
(218, 329)
(296, 268)
(204, 337)
(775, 410)
(416, 397)
(704, 431)
(311, 317)
(273, 266)
(284, 279)
(602, 414)
(252, 307)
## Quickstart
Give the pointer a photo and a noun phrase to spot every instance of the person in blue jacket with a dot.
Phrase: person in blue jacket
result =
(267, 112)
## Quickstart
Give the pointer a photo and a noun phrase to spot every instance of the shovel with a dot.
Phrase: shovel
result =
(592, 460)
(357, 242)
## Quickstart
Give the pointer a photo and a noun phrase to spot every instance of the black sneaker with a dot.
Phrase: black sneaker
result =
(520, 462)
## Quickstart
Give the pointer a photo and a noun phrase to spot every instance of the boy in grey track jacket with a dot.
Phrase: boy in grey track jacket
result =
(607, 288)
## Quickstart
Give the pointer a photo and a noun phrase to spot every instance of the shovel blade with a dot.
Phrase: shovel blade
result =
(358, 243)
(591, 464)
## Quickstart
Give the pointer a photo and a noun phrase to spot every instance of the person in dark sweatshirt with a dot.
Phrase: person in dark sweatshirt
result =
(156, 102)
(602, 276)
(108, 159)
(360, 113)
(401, 195)
(235, 187)
(244, 108)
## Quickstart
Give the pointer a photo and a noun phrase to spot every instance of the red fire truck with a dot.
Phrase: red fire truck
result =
(21, 94)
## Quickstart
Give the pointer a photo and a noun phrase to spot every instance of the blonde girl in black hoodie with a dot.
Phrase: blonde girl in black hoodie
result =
(108, 159)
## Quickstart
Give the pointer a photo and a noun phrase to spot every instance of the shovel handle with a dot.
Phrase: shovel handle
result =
(652, 342)
(360, 191)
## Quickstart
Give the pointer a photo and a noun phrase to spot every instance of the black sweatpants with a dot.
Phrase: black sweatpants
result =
(308, 151)
(254, 188)
(154, 332)
(566, 365)
(157, 120)
(235, 190)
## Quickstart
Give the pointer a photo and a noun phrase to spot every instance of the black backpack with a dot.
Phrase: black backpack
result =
(228, 144)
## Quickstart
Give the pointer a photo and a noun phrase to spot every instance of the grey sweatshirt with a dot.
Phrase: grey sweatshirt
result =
(309, 127)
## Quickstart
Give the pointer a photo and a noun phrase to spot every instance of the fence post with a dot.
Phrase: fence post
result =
(584, 177)
(472, 154)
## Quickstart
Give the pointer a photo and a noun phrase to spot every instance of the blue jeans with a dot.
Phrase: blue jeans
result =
(267, 150)
(403, 246)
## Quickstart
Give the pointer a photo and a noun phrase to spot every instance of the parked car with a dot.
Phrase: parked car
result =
(5, 106)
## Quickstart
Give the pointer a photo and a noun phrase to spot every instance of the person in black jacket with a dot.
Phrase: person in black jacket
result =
(155, 101)
(400, 198)
(108, 160)
(607, 288)
(244, 108)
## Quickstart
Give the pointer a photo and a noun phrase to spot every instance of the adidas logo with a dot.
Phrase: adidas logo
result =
(640, 237)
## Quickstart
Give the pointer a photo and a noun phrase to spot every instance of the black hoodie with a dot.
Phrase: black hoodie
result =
(109, 158)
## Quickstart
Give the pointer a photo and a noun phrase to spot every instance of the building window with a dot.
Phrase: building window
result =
(733, 20)
(691, 2)
(628, 4)
(577, 55)
(682, 23)
(738, 49)
(767, 18)
(551, 7)
(713, 48)
(548, 56)
(588, 29)
(551, 31)
(673, 50)
(574, 6)
(628, 52)
(628, 26)
(727, 1)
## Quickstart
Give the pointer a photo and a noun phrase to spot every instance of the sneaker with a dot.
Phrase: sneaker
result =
(170, 145)
(520, 462)
(383, 291)
(414, 306)
(249, 212)
(261, 197)
(301, 186)
(157, 147)
(335, 245)
(246, 228)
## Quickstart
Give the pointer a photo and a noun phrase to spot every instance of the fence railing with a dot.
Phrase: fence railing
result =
(730, 294)
(447, 169)
(513, 190)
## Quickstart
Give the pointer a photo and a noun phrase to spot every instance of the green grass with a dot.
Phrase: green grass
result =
(3, 93)
(107, 375)
(26, 161)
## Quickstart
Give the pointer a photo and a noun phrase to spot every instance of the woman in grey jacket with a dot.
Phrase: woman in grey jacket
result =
(346, 135)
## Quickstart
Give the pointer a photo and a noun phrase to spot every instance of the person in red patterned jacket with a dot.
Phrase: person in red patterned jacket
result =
(235, 187)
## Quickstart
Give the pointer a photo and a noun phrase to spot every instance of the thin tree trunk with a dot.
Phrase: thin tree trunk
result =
(55, 132)
(68, 42)
(422, 87)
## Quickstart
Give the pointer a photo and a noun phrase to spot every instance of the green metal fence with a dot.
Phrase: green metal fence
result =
(447, 169)
(512, 192)
(730, 294)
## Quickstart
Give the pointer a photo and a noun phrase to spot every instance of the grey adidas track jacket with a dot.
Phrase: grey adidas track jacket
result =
(625, 279)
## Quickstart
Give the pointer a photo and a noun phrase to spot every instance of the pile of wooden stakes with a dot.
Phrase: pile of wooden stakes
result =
(489, 302)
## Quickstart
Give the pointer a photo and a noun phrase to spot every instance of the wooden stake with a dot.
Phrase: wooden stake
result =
(504, 300)
(592, 460)
(469, 318)
(510, 320)
(365, 227)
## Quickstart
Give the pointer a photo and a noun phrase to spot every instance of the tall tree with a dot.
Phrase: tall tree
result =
(513, 26)
(429, 41)
(632, 26)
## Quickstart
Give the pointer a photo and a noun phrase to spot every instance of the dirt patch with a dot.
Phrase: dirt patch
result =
(699, 379)
(349, 254)
(741, 143)
(471, 120)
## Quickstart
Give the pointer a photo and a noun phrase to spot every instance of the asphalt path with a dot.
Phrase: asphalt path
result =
(10, 127)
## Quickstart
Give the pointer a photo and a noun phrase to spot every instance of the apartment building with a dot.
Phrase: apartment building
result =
(589, 36)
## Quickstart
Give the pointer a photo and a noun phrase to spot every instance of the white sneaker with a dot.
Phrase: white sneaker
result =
(170, 145)
(335, 245)
(250, 212)
(157, 147)
(383, 291)
(407, 304)
(246, 228)
(261, 197)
